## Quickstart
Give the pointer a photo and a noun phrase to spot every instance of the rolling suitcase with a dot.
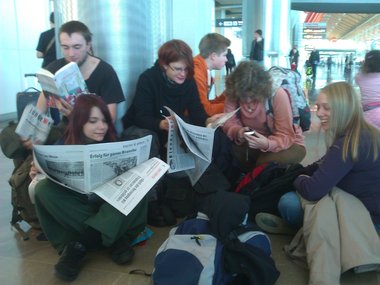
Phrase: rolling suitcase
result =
(29, 95)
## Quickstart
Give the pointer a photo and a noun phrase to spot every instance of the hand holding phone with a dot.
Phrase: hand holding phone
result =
(250, 133)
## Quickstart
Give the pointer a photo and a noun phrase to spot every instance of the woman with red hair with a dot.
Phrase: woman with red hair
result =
(75, 223)
(170, 82)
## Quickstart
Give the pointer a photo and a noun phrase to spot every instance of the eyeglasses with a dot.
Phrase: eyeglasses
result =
(179, 69)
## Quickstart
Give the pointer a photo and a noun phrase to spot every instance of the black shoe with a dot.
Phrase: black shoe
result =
(69, 264)
(122, 252)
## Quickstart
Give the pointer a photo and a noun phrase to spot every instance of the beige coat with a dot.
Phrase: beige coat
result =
(338, 234)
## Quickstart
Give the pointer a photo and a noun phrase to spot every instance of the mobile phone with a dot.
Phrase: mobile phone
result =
(250, 133)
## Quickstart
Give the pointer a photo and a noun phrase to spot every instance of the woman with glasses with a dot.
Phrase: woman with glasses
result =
(275, 136)
(170, 82)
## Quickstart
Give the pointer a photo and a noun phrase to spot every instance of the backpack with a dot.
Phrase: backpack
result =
(193, 255)
(23, 208)
(266, 183)
(290, 81)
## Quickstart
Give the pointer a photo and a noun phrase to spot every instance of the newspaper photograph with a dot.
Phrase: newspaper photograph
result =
(34, 125)
(194, 141)
(83, 168)
(126, 190)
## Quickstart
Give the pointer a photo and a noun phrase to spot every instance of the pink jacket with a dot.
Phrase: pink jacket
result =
(278, 128)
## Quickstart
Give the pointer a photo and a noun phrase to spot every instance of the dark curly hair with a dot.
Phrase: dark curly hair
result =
(249, 79)
(371, 62)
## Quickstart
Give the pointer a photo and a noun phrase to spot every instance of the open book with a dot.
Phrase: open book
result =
(66, 83)
(118, 172)
(34, 125)
(189, 147)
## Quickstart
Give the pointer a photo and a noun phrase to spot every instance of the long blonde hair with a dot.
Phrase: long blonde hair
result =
(346, 119)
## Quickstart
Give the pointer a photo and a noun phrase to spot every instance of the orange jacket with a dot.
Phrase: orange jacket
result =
(211, 107)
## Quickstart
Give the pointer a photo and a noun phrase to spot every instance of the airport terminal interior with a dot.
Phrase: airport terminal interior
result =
(32, 261)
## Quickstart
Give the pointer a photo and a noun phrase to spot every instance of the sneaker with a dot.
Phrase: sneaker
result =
(121, 252)
(272, 224)
(69, 264)
(367, 268)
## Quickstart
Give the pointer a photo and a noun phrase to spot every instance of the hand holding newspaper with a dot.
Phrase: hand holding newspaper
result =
(65, 84)
(189, 147)
(34, 125)
(118, 172)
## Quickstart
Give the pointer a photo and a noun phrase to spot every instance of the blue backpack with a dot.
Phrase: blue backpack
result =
(193, 255)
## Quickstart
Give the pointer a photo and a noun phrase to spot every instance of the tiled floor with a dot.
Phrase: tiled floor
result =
(31, 262)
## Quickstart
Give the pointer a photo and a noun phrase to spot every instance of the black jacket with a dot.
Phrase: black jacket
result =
(153, 92)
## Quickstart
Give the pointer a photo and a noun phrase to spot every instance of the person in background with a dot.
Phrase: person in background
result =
(46, 44)
(368, 80)
(293, 58)
(257, 47)
(76, 223)
(230, 64)
(314, 61)
(212, 56)
(76, 44)
(276, 138)
(329, 63)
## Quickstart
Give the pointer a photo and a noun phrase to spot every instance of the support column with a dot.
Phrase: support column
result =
(272, 17)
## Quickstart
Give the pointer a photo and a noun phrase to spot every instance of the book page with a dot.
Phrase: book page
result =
(70, 82)
(47, 82)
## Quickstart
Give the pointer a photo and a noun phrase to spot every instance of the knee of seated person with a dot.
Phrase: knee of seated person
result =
(42, 188)
(290, 209)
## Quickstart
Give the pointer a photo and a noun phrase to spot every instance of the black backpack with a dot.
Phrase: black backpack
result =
(266, 183)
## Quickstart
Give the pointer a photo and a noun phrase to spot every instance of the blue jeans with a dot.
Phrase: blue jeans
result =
(290, 209)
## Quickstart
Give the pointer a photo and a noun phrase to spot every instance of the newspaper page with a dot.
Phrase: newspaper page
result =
(220, 122)
(125, 191)
(179, 157)
(34, 125)
(82, 168)
(199, 142)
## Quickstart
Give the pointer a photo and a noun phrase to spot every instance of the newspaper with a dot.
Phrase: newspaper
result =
(34, 125)
(189, 147)
(220, 122)
(118, 172)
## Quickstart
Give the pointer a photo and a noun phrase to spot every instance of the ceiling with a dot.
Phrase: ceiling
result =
(338, 25)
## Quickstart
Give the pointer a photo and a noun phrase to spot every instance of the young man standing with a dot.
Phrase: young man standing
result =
(46, 44)
(257, 48)
(212, 56)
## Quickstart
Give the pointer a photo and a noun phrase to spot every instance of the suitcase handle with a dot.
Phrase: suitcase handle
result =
(29, 75)
(32, 89)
